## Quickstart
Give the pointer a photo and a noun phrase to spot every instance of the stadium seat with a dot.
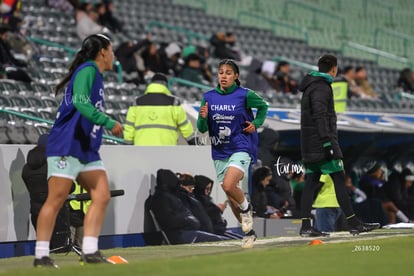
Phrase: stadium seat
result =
(4, 101)
(4, 137)
(16, 131)
(31, 134)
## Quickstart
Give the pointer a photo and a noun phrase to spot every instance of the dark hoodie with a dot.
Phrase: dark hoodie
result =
(396, 191)
(213, 211)
(34, 175)
(268, 142)
(168, 209)
(318, 118)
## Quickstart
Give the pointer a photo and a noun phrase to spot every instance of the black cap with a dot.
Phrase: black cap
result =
(160, 78)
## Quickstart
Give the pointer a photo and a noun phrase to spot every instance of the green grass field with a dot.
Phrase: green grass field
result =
(382, 252)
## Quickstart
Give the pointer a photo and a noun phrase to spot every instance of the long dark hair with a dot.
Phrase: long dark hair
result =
(258, 175)
(89, 50)
(233, 65)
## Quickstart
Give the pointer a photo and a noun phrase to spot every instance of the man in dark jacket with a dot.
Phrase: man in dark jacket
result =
(176, 220)
(125, 54)
(34, 175)
(320, 149)
(185, 193)
(397, 188)
(202, 191)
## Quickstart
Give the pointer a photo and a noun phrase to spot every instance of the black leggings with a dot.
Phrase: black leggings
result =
(311, 184)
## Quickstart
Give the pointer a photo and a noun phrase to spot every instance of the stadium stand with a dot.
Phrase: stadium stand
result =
(297, 31)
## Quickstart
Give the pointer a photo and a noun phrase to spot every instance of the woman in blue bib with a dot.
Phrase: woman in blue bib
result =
(226, 112)
(73, 148)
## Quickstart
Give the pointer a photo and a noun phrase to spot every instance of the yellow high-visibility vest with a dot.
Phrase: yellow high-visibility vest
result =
(326, 197)
(340, 93)
(77, 205)
(157, 123)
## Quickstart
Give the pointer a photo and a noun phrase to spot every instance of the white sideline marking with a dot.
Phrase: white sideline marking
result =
(335, 237)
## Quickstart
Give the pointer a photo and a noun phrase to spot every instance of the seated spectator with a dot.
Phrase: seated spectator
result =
(11, 65)
(397, 190)
(106, 17)
(361, 80)
(221, 43)
(255, 79)
(192, 69)
(125, 53)
(202, 191)
(176, 220)
(348, 75)
(356, 194)
(157, 117)
(203, 53)
(260, 179)
(86, 22)
(279, 192)
(285, 82)
(185, 193)
(10, 11)
(372, 184)
(152, 60)
(170, 59)
(405, 81)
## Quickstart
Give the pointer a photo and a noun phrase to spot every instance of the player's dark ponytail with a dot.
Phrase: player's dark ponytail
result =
(89, 50)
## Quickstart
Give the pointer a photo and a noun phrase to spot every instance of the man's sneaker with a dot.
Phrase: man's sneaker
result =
(94, 258)
(45, 262)
(312, 232)
(364, 227)
(247, 220)
(249, 239)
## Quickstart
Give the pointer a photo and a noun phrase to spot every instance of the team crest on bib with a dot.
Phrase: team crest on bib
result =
(62, 163)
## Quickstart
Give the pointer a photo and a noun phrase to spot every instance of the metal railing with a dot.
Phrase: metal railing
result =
(189, 34)
(407, 39)
(274, 24)
(377, 53)
(71, 52)
(316, 13)
(48, 122)
(171, 81)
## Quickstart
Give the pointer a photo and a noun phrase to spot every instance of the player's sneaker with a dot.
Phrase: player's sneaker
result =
(247, 220)
(94, 258)
(364, 227)
(249, 239)
(312, 232)
(45, 262)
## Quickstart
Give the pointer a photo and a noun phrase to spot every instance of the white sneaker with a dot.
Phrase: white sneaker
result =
(248, 241)
(247, 220)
